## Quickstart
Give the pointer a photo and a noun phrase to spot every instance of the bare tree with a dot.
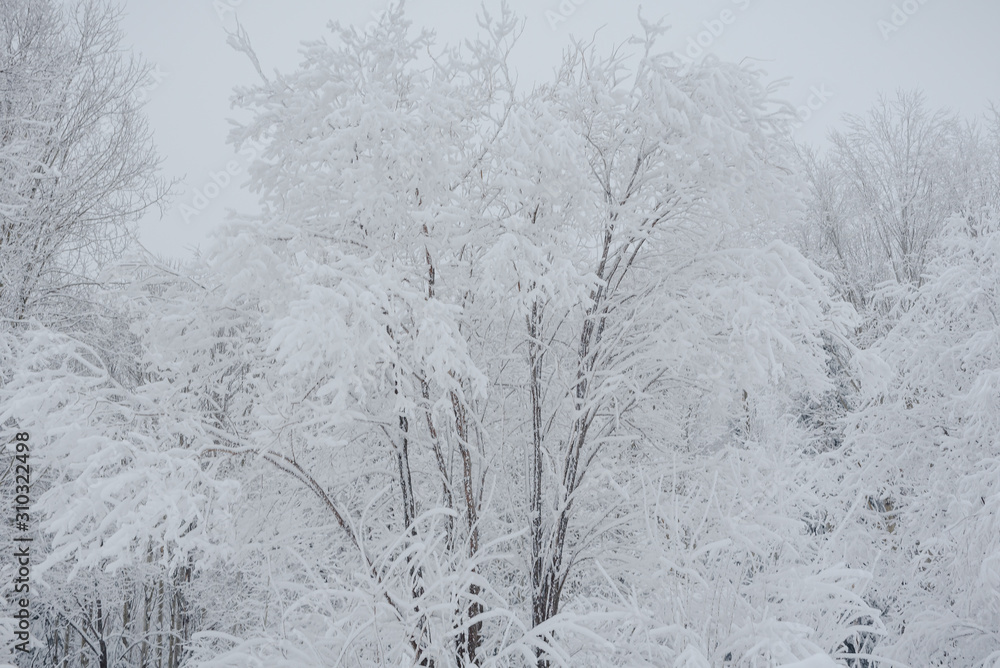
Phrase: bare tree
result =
(884, 190)
(77, 164)
(77, 170)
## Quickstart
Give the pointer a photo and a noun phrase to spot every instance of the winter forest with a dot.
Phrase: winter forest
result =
(607, 371)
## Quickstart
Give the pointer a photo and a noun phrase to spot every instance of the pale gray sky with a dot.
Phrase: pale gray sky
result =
(846, 51)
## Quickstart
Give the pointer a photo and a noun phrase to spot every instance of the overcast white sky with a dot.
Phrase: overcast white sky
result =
(848, 50)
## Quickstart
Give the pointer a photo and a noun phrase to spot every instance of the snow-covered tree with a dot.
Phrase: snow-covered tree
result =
(121, 511)
(483, 330)
(881, 193)
(494, 377)
(77, 166)
(77, 169)
(925, 449)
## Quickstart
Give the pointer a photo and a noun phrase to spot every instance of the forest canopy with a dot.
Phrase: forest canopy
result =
(607, 372)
